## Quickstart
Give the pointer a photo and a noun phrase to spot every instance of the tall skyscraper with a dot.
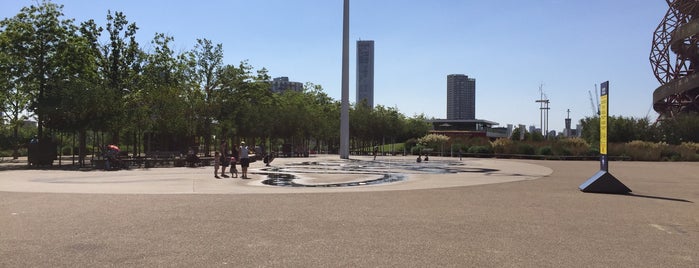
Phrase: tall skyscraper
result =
(365, 72)
(461, 97)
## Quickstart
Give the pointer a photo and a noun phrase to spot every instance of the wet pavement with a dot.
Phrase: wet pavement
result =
(359, 174)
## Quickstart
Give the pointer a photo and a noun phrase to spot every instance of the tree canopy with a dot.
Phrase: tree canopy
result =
(79, 78)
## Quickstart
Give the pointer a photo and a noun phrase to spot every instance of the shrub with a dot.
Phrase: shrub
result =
(416, 149)
(9, 153)
(503, 146)
(645, 151)
(479, 150)
(546, 150)
(616, 149)
(67, 150)
(669, 154)
(573, 146)
(477, 141)
(526, 149)
(6, 153)
(458, 147)
(691, 146)
(434, 141)
(688, 151)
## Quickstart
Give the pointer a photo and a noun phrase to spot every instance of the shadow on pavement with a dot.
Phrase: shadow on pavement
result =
(660, 197)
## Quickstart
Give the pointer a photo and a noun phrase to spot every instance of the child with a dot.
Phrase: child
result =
(217, 162)
(234, 171)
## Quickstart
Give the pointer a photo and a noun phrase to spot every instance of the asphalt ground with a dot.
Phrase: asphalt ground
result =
(527, 221)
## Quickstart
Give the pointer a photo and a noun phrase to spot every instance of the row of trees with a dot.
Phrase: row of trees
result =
(675, 139)
(676, 130)
(679, 129)
(60, 72)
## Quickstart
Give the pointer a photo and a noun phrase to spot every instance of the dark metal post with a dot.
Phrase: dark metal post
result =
(603, 181)
(344, 109)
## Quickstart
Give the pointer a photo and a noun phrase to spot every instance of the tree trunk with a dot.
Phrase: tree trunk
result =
(82, 145)
(15, 154)
(115, 137)
(135, 144)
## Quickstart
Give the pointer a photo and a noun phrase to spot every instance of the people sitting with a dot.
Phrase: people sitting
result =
(192, 158)
(268, 159)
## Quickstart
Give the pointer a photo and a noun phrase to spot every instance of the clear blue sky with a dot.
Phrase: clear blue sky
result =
(510, 47)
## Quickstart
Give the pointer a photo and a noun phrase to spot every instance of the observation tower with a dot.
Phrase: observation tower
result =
(675, 59)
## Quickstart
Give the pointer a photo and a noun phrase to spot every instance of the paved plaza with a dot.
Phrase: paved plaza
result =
(441, 213)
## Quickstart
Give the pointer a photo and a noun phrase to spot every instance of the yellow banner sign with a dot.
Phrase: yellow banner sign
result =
(603, 125)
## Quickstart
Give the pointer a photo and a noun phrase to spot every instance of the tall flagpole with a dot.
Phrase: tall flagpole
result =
(344, 110)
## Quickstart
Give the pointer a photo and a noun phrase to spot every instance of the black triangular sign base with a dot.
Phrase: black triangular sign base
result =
(604, 182)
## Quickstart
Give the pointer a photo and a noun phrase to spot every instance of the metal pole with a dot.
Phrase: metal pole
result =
(344, 111)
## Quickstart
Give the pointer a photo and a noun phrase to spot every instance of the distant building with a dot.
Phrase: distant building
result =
(522, 131)
(280, 84)
(466, 128)
(461, 119)
(461, 97)
(365, 72)
(500, 132)
(577, 132)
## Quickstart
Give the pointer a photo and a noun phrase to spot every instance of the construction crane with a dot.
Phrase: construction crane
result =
(595, 108)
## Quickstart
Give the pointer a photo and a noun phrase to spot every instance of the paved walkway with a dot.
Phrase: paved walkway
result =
(438, 173)
(533, 217)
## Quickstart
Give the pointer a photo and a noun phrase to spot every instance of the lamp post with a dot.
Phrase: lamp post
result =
(344, 109)
(544, 112)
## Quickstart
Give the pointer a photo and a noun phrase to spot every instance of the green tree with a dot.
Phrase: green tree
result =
(120, 66)
(162, 108)
(325, 121)
(208, 59)
(590, 130)
(388, 124)
(360, 120)
(36, 35)
(619, 129)
(76, 103)
(415, 127)
(254, 102)
(516, 134)
(13, 100)
(679, 129)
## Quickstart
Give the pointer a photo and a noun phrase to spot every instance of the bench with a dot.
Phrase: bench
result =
(162, 158)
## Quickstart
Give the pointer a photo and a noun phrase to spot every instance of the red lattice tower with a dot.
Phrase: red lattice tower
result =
(675, 58)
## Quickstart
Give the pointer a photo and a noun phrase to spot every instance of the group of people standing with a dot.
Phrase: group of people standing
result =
(223, 159)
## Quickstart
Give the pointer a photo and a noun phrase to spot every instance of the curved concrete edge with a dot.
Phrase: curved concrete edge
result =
(201, 180)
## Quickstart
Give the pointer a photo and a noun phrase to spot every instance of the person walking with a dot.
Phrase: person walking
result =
(244, 158)
(224, 159)
(234, 160)
(233, 169)
(217, 161)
